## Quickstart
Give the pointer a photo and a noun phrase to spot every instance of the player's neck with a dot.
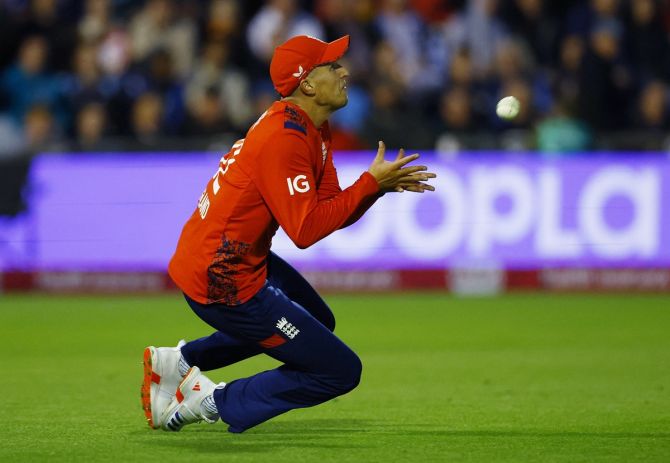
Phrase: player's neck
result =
(317, 114)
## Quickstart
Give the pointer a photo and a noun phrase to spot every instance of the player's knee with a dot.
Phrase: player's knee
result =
(352, 375)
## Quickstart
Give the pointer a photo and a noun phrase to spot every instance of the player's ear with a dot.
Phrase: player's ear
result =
(307, 87)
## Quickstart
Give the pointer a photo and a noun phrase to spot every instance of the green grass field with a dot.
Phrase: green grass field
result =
(518, 378)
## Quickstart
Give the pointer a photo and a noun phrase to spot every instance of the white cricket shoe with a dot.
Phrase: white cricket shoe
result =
(187, 405)
(161, 378)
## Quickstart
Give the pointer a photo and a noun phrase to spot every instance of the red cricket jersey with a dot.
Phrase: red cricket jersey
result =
(282, 173)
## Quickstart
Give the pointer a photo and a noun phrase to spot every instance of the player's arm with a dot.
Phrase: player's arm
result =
(330, 187)
(287, 183)
(390, 175)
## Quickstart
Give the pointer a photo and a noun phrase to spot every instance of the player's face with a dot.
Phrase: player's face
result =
(330, 83)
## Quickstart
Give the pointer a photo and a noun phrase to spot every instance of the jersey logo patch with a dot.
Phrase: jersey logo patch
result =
(299, 184)
(294, 120)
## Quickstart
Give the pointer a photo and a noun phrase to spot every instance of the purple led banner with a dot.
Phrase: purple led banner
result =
(126, 211)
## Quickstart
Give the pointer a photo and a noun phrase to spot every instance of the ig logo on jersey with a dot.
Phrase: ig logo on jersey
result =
(299, 184)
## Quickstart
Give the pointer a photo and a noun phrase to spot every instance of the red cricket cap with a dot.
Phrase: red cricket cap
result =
(296, 58)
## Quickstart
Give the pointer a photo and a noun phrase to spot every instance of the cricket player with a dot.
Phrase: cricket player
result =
(280, 174)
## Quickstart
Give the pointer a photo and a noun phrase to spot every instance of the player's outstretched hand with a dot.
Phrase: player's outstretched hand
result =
(395, 176)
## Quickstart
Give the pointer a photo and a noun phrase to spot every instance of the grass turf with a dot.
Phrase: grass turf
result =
(518, 378)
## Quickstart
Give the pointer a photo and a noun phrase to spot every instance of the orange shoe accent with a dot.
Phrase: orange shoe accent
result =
(273, 341)
(179, 396)
(145, 390)
(196, 387)
(155, 378)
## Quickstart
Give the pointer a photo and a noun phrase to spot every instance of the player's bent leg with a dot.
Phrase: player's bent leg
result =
(221, 349)
(162, 375)
(282, 275)
(218, 350)
(317, 365)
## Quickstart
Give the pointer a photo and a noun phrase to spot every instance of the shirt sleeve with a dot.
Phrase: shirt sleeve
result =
(330, 187)
(362, 209)
(330, 184)
(287, 183)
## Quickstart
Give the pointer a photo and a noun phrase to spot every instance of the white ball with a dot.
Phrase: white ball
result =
(508, 108)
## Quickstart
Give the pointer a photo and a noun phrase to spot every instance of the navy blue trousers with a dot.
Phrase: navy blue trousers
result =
(288, 321)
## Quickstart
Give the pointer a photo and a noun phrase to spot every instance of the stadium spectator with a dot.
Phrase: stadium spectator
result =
(402, 30)
(460, 70)
(457, 121)
(96, 21)
(91, 130)
(277, 21)
(652, 107)
(384, 66)
(223, 21)
(561, 132)
(456, 110)
(391, 119)
(512, 60)
(158, 26)
(207, 116)
(41, 131)
(356, 19)
(224, 25)
(214, 70)
(27, 82)
(86, 83)
(566, 78)
(478, 29)
(60, 33)
(147, 125)
(162, 79)
(583, 17)
(115, 50)
(606, 79)
(530, 22)
(648, 42)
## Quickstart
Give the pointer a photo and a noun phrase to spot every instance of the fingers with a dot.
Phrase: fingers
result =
(401, 161)
(412, 170)
(418, 187)
(401, 154)
(381, 151)
(414, 189)
(417, 177)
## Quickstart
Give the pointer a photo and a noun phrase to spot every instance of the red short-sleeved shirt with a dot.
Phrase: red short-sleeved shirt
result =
(281, 174)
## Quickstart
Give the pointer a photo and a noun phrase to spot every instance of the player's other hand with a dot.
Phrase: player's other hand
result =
(397, 176)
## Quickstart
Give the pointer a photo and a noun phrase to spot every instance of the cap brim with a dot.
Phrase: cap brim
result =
(335, 50)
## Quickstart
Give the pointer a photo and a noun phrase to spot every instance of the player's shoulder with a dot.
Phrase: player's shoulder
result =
(294, 120)
(283, 118)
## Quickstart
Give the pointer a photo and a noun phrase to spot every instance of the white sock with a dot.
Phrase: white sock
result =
(183, 366)
(209, 407)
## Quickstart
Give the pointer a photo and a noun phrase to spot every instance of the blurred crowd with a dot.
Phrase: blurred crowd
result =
(111, 75)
